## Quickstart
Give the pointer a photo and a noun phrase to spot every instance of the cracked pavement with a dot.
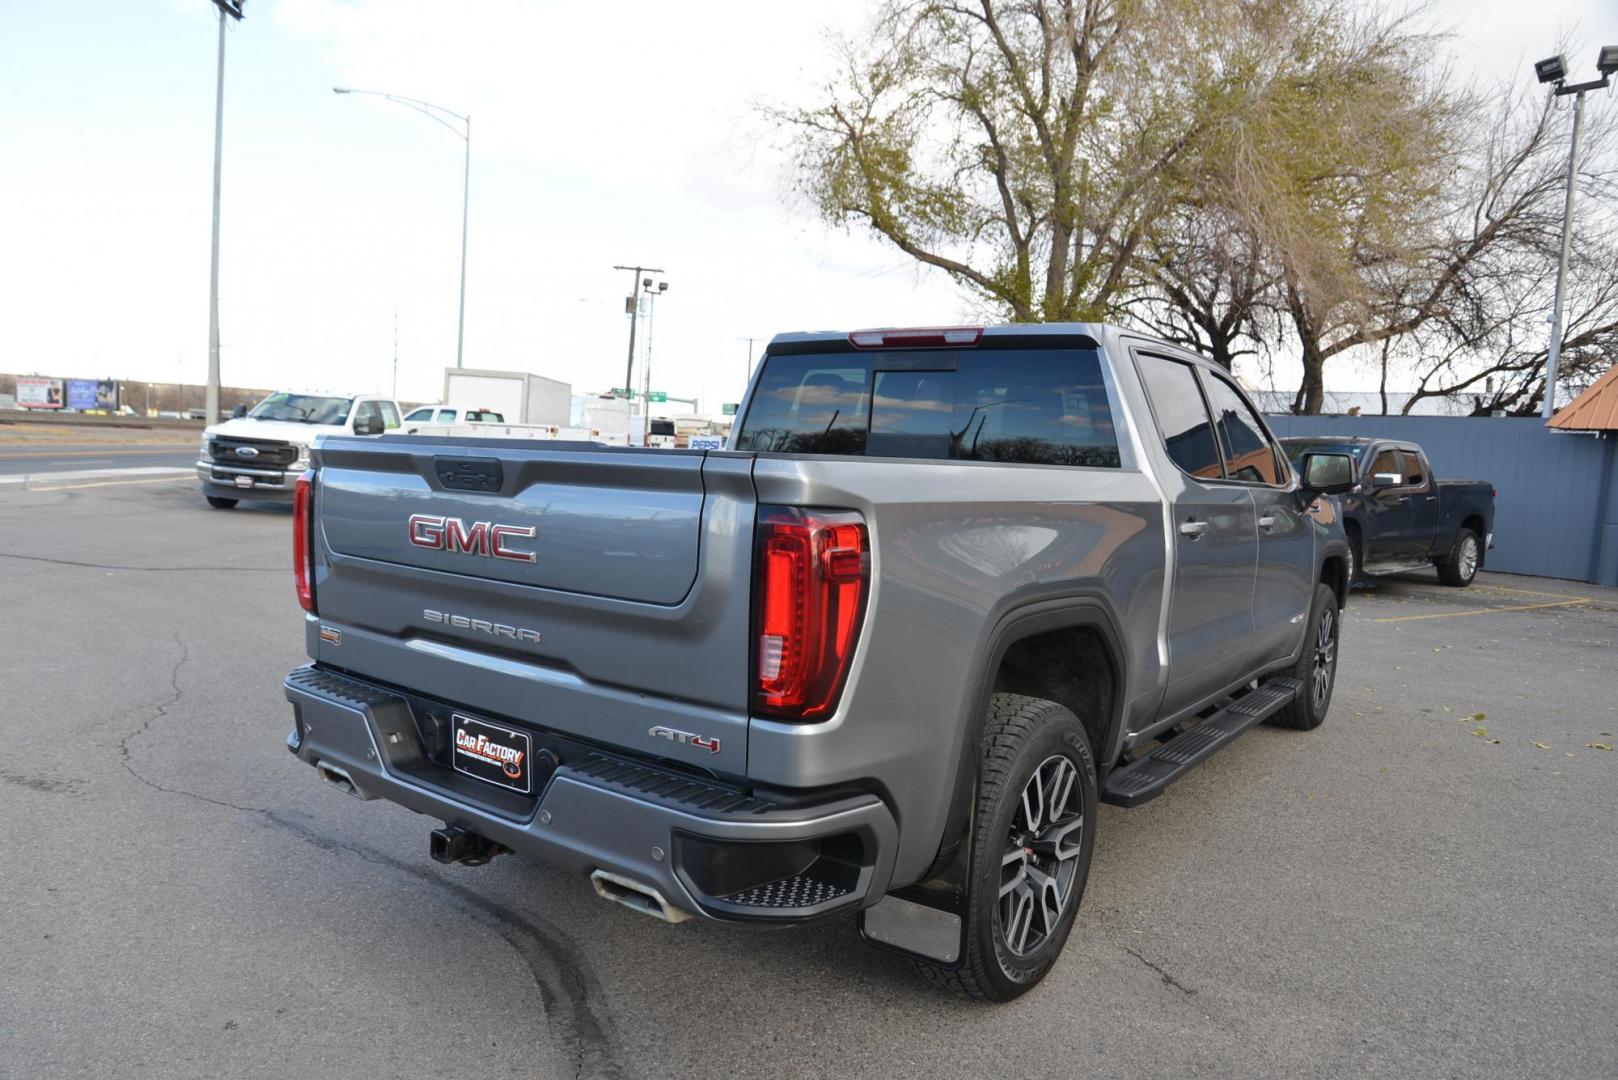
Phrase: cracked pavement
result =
(1392, 895)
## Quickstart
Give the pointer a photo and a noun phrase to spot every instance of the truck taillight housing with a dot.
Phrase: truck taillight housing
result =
(303, 548)
(814, 570)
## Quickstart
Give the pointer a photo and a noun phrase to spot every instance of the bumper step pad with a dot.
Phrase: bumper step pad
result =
(1147, 776)
(799, 891)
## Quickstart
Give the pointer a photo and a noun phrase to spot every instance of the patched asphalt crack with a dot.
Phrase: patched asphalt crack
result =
(1164, 975)
(571, 994)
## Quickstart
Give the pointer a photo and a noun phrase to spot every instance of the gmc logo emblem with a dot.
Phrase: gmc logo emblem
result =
(479, 538)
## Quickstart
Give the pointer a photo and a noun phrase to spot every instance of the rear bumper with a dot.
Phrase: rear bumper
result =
(708, 848)
(220, 480)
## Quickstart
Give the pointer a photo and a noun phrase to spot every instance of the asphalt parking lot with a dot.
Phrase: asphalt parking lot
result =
(1425, 886)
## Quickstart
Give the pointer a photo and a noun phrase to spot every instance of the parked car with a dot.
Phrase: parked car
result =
(450, 414)
(1399, 517)
(258, 454)
(945, 592)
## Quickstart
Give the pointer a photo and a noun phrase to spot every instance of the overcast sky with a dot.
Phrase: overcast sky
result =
(602, 134)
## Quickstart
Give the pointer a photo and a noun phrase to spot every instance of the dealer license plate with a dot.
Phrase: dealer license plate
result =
(493, 753)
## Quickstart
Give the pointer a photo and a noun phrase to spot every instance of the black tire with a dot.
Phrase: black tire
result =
(1317, 661)
(219, 502)
(1355, 562)
(1022, 736)
(1460, 566)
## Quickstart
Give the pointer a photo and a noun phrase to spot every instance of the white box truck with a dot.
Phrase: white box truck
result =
(520, 397)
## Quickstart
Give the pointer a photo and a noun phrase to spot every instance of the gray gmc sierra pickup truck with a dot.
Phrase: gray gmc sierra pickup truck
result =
(943, 592)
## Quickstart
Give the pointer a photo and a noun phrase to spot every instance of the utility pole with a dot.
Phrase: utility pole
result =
(233, 8)
(632, 306)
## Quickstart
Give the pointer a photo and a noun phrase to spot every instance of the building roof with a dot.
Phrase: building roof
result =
(1594, 410)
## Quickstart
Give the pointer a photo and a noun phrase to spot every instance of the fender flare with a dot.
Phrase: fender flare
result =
(1089, 609)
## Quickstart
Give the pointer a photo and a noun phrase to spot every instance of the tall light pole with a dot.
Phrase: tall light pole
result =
(651, 310)
(632, 309)
(232, 8)
(1554, 70)
(438, 113)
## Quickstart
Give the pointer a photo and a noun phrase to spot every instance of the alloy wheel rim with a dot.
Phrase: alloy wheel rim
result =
(1469, 557)
(1325, 656)
(1040, 864)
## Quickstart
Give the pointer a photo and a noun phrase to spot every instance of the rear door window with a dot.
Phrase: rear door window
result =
(1024, 406)
(1182, 416)
(1415, 474)
(390, 415)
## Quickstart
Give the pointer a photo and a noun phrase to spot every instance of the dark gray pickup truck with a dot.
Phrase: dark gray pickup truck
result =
(1399, 516)
(944, 592)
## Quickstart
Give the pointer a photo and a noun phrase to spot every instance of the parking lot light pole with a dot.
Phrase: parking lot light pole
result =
(1554, 70)
(464, 132)
(232, 8)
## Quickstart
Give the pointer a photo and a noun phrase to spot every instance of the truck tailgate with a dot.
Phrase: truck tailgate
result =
(614, 601)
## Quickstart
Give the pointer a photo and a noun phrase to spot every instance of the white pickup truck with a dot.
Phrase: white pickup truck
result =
(259, 454)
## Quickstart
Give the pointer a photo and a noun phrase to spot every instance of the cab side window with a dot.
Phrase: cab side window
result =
(1386, 462)
(390, 415)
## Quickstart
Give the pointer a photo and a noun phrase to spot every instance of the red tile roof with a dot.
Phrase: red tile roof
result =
(1594, 410)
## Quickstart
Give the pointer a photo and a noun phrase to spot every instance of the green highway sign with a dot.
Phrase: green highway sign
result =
(729, 408)
(657, 395)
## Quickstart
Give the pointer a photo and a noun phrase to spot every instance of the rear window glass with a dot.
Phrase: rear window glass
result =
(1027, 406)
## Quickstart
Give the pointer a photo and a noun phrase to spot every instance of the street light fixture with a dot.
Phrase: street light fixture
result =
(1554, 70)
(464, 131)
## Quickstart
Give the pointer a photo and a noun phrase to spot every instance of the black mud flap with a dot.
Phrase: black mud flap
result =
(928, 920)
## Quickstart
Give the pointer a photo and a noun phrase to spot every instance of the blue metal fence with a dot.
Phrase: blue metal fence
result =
(1556, 514)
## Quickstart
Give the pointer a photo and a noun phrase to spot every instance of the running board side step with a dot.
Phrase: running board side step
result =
(1145, 778)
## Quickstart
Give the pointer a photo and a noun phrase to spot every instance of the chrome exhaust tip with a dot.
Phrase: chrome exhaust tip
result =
(635, 896)
(339, 779)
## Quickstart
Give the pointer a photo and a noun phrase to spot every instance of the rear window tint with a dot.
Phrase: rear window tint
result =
(1027, 406)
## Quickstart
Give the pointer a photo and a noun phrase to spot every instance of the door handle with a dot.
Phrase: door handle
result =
(1266, 522)
(1193, 529)
(1432, 498)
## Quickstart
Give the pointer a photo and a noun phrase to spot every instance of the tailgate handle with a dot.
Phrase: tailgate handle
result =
(468, 474)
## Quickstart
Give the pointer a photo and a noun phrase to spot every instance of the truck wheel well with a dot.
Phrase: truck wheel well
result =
(1072, 667)
(1333, 572)
(1475, 523)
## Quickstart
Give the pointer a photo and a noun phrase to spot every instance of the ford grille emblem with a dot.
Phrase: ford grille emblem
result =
(247, 451)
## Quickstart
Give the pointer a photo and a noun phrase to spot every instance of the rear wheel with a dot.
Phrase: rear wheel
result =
(1460, 566)
(1316, 668)
(219, 502)
(1033, 834)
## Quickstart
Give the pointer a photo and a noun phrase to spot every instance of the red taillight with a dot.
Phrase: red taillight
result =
(919, 338)
(813, 567)
(303, 552)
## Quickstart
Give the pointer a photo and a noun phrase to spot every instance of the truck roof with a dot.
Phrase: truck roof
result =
(1095, 331)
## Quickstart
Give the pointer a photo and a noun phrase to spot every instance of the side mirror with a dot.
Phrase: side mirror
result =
(1328, 474)
(1386, 480)
(368, 425)
(238, 412)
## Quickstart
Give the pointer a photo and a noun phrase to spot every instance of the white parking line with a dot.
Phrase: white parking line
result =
(70, 475)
